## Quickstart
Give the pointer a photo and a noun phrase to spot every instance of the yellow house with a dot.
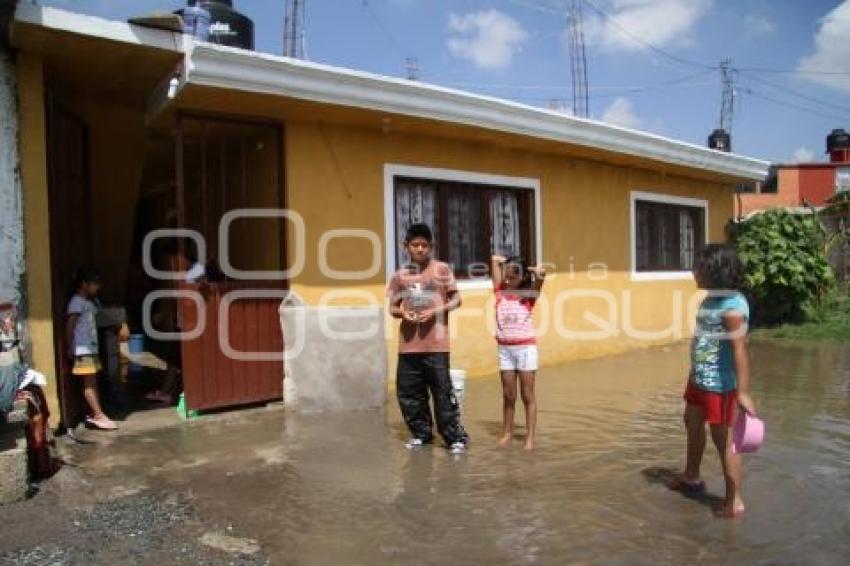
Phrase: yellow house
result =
(125, 130)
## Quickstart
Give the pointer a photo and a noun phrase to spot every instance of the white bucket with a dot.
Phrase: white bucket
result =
(458, 377)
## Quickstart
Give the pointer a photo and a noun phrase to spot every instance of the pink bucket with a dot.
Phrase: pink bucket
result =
(748, 433)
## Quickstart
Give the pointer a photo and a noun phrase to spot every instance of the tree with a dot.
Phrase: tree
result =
(784, 256)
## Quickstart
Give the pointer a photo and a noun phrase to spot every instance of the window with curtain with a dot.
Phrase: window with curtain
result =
(470, 221)
(667, 235)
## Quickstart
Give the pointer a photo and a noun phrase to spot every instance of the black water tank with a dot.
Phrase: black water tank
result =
(227, 26)
(720, 140)
(837, 139)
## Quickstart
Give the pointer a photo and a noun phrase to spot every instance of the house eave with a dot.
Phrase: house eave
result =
(228, 68)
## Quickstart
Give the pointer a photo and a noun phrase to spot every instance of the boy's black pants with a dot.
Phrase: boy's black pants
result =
(418, 374)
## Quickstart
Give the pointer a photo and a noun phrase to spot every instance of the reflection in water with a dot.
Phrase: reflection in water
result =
(342, 489)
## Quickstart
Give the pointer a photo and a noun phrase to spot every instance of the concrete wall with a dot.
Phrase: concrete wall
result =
(335, 180)
(787, 193)
(11, 206)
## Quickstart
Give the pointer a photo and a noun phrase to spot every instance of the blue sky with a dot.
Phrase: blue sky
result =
(516, 49)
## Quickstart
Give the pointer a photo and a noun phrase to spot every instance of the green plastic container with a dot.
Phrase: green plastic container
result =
(183, 413)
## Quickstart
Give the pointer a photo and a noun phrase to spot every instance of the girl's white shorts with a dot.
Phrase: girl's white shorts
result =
(518, 358)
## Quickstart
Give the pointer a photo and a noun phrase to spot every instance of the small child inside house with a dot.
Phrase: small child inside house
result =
(517, 288)
(719, 380)
(82, 341)
(422, 294)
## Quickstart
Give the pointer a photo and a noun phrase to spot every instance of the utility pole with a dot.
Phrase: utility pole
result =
(578, 59)
(294, 29)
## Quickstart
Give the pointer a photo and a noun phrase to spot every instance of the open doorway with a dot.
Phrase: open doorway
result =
(189, 176)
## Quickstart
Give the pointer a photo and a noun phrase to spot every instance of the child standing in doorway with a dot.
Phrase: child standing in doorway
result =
(422, 294)
(81, 337)
(516, 288)
(719, 378)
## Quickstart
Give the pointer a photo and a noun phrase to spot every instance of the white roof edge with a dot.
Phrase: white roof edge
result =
(217, 66)
(93, 26)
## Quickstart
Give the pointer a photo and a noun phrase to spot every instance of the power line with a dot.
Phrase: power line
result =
(793, 106)
(792, 71)
(380, 24)
(615, 90)
(651, 47)
(664, 53)
(796, 93)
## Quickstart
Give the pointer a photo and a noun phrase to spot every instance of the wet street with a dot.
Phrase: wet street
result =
(321, 489)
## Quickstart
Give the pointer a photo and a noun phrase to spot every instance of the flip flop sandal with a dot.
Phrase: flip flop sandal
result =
(689, 488)
(100, 426)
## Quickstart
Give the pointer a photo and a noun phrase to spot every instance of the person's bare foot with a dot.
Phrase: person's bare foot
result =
(730, 510)
(102, 422)
(529, 445)
(505, 440)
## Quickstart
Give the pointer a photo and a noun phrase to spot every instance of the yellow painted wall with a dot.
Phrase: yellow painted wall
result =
(37, 232)
(335, 179)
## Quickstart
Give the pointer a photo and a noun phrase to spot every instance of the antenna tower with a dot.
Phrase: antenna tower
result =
(578, 60)
(293, 29)
(727, 103)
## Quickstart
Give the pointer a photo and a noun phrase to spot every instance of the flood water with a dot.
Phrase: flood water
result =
(342, 489)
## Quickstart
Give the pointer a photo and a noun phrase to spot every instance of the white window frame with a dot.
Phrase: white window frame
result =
(393, 170)
(665, 199)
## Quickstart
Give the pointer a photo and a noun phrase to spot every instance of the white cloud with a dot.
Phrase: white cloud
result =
(832, 50)
(658, 22)
(488, 38)
(621, 113)
(759, 24)
(803, 155)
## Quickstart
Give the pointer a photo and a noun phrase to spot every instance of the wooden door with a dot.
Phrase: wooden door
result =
(223, 165)
(69, 205)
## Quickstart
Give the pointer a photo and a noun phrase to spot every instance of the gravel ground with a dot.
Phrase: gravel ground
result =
(137, 529)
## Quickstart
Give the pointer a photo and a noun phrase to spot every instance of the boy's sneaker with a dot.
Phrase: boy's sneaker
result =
(457, 448)
(414, 443)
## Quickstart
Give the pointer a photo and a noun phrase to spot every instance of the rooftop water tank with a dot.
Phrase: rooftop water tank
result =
(838, 146)
(227, 26)
(720, 140)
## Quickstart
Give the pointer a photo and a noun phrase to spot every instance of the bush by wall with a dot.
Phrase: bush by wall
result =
(787, 271)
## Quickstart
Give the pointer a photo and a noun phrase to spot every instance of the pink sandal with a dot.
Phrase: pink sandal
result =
(104, 423)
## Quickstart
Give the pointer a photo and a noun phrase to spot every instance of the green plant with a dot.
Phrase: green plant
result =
(784, 257)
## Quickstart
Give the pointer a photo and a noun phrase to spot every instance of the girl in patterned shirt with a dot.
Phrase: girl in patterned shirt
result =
(516, 288)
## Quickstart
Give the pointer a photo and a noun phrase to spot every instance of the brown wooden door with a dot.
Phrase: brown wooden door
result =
(211, 378)
(223, 165)
(69, 207)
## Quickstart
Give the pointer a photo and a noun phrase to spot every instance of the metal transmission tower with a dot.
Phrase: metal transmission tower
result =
(578, 60)
(294, 29)
(727, 105)
(721, 138)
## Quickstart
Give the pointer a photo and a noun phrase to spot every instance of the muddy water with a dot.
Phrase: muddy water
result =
(342, 489)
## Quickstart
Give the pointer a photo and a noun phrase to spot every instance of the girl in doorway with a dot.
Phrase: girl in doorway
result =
(516, 288)
(81, 338)
(719, 378)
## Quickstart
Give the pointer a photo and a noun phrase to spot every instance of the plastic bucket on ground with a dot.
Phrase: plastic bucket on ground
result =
(458, 377)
